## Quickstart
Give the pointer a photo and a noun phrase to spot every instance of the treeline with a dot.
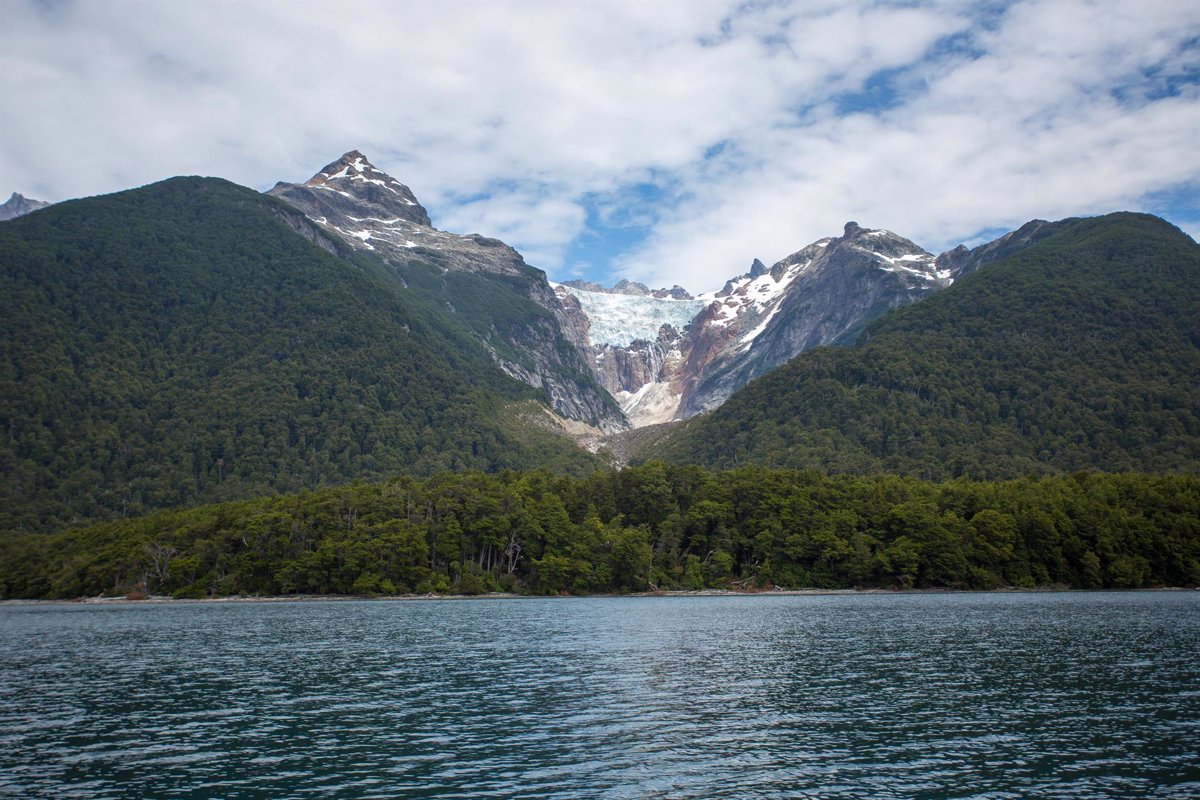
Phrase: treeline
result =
(645, 528)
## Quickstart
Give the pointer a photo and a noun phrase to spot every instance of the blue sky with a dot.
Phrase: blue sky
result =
(670, 141)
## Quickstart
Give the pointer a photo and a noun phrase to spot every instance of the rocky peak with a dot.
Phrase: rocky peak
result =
(631, 288)
(19, 205)
(353, 188)
(372, 211)
(851, 230)
(890, 251)
(757, 270)
(676, 292)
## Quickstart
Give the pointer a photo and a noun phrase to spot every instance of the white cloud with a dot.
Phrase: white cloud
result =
(505, 116)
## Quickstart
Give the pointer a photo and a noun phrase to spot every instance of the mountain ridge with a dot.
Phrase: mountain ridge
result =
(1081, 350)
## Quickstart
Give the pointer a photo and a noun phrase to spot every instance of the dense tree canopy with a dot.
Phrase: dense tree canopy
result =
(651, 527)
(181, 343)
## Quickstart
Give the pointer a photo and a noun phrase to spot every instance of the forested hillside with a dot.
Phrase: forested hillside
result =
(194, 340)
(1080, 352)
(643, 528)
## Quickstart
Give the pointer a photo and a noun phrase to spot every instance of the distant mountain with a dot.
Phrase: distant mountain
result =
(18, 206)
(1080, 351)
(194, 340)
(508, 305)
(666, 357)
(823, 294)
(632, 289)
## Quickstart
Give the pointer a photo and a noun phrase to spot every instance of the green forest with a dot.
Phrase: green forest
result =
(180, 344)
(1080, 352)
(169, 354)
(646, 528)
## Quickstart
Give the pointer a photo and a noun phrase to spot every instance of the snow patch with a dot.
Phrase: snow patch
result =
(335, 191)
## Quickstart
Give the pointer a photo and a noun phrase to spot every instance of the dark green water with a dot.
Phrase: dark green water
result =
(880, 696)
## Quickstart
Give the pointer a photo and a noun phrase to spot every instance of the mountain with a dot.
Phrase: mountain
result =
(1081, 351)
(823, 294)
(194, 340)
(635, 342)
(508, 305)
(18, 206)
(666, 356)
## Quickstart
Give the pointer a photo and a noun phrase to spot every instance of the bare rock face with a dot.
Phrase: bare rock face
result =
(18, 206)
(823, 294)
(506, 303)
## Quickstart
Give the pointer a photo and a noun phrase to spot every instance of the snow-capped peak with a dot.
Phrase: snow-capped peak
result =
(752, 300)
(355, 168)
(19, 205)
(354, 189)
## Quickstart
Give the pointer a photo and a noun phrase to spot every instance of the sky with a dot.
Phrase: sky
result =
(664, 141)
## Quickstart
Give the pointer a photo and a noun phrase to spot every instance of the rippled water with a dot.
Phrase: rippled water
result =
(976, 695)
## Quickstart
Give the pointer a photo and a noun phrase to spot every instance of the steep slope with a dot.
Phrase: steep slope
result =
(1081, 351)
(823, 294)
(18, 206)
(194, 340)
(507, 304)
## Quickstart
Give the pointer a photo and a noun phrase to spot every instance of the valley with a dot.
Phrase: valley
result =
(178, 354)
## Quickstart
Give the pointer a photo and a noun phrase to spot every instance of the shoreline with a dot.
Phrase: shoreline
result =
(679, 593)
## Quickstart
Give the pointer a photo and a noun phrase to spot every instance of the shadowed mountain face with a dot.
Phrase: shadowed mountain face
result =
(823, 294)
(1080, 351)
(508, 305)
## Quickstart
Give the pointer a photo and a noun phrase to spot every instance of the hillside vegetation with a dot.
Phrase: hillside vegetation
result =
(643, 528)
(194, 341)
(1080, 352)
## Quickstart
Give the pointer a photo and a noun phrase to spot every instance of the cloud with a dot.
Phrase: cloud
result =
(717, 130)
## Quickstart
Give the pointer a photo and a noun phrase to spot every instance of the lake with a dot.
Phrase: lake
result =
(1007, 695)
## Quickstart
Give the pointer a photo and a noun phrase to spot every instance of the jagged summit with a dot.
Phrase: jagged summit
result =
(822, 294)
(19, 205)
(352, 187)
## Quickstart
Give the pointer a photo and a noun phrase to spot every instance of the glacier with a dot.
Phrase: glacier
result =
(620, 319)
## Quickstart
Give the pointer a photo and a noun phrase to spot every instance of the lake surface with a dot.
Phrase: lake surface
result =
(883, 696)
